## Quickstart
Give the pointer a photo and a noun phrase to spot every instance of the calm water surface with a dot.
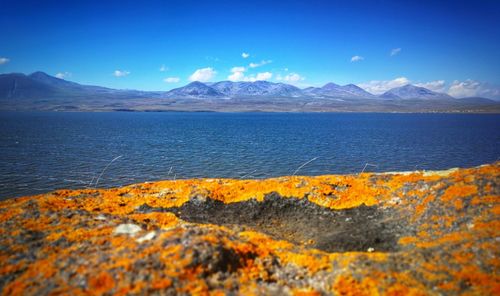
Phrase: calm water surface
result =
(40, 152)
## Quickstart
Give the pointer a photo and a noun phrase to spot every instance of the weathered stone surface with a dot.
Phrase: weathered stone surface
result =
(396, 234)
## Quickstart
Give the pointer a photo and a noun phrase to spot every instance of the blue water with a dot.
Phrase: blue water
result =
(40, 152)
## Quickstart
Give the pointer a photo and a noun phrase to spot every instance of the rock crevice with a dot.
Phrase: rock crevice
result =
(301, 222)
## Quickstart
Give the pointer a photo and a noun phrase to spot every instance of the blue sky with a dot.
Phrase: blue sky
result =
(450, 46)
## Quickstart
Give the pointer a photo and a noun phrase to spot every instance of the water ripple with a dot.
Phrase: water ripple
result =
(40, 152)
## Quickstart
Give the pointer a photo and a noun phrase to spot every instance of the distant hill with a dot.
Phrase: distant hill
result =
(333, 90)
(40, 91)
(257, 88)
(414, 92)
(17, 86)
(41, 86)
(194, 89)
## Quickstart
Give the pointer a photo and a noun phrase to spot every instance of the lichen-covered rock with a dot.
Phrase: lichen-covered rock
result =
(420, 233)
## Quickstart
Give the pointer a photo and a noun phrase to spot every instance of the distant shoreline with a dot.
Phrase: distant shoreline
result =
(257, 111)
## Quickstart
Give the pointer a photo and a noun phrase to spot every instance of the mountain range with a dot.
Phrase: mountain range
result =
(40, 91)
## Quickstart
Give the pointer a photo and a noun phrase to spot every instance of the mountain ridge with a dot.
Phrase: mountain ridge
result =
(40, 91)
(243, 88)
(410, 91)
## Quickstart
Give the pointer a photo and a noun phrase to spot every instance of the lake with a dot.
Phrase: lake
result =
(41, 152)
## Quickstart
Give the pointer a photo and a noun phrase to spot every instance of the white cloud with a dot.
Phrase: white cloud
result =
(437, 85)
(63, 75)
(238, 74)
(245, 55)
(172, 79)
(357, 58)
(238, 69)
(380, 86)
(395, 51)
(472, 88)
(262, 63)
(466, 88)
(120, 73)
(163, 68)
(4, 61)
(290, 78)
(264, 76)
(203, 75)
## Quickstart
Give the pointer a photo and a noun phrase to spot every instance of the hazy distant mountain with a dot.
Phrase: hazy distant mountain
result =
(356, 90)
(40, 91)
(257, 88)
(194, 89)
(475, 101)
(230, 89)
(337, 91)
(41, 86)
(57, 82)
(19, 86)
(224, 87)
(413, 92)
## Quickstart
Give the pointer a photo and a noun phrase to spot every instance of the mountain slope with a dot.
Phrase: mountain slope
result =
(257, 88)
(337, 91)
(230, 89)
(194, 89)
(414, 92)
(19, 86)
(54, 81)
(40, 86)
(356, 90)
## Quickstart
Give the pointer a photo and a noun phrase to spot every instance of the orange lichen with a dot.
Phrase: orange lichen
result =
(419, 209)
(7, 215)
(402, 290)
(476, 278)
(101, 283)
(162, 220)
(485, 199)
(348, 285)
(313, 262)
(451, 238)
(408, 240)
(495, 210)
(458, 191)
(160, 284)
(65, 240)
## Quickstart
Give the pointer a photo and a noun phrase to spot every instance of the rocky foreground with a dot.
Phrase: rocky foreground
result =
(420, 233)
